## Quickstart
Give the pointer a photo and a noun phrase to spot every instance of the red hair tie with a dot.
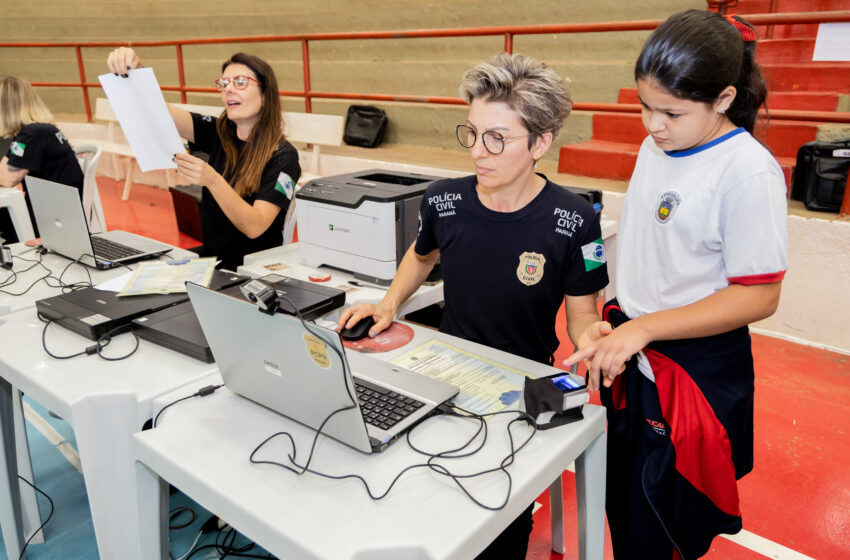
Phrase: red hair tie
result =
(747, 34)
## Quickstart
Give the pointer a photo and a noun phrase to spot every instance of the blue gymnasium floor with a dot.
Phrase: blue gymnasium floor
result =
(70, 534)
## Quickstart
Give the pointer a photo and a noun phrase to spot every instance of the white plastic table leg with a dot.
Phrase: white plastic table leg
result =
(590, 499)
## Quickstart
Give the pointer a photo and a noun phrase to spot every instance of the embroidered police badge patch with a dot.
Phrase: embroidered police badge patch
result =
(530, 269)
(668, 203)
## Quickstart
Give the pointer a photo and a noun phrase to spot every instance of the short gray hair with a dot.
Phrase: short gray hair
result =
(529, 87)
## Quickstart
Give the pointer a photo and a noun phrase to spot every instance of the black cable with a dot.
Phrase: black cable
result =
(46, 278)
(49, 516)
(54, 356)
(104, 340)
(96, 348)
(13, 276)
(430, 464)
(202, 392)
(77, 262)
(435, 467)
(224, 545)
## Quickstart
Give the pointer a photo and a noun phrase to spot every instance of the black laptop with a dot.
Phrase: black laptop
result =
(177, 327)
(92, 313)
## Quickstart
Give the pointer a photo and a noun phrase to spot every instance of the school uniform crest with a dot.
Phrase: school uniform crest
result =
(530, 269)
(667, 205)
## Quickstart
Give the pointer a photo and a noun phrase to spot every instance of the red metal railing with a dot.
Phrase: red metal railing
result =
(507, 31)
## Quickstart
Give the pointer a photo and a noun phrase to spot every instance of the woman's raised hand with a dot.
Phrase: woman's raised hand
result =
(121, 60)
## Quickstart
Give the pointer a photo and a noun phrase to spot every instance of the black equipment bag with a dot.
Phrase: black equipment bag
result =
(820, 175)
(365, 126)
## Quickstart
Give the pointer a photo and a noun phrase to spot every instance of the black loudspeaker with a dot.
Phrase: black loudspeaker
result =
(365, 126)
(820, 175)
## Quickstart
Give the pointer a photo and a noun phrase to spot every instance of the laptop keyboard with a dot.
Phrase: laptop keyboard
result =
(382, 407)
(107, 250)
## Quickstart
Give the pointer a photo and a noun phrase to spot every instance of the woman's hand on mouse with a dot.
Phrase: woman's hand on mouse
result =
(122, 60)
(381, 313)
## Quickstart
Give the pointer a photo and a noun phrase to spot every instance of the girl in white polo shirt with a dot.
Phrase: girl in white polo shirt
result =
(702, 253)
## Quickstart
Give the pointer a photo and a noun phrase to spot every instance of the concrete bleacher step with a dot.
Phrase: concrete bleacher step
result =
(810, 76)
(616, 160)
(798, 100)
(804, 100)
(782, 137)
(599, 158)
(785, 51)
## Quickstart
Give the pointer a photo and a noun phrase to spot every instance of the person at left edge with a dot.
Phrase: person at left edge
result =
(38, 148)
(250, 179)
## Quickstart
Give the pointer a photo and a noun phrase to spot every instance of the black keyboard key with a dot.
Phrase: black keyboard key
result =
(110, 251)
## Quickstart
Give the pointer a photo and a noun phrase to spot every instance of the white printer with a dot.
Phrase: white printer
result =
(361, 222)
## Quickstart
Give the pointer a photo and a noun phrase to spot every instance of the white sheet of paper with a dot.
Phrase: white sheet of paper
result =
(833, 42)
(140, 107)
(116, 284)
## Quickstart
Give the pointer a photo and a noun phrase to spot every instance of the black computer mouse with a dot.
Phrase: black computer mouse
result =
(359, 330)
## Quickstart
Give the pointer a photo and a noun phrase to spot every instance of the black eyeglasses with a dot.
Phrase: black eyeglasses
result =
(494, 142)
(239, 82)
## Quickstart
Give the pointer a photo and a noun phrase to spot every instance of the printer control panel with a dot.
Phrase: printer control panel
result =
(342, 194)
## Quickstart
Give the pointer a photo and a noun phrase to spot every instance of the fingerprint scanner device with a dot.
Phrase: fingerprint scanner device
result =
(177, 327)
(554, 400)
(92, 313)
(360, 222)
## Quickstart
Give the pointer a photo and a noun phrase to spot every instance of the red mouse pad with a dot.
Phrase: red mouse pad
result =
(396, 336)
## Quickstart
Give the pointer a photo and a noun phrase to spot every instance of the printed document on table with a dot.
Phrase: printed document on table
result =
(138, 103)
(168, 277)
(485, 385)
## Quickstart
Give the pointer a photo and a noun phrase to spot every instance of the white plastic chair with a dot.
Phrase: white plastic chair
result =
(89, 156)
(14, 201)
(289, 223)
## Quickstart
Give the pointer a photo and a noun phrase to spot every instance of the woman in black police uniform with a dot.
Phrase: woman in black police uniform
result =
(512, 244)
(38, 148)
(250, 178)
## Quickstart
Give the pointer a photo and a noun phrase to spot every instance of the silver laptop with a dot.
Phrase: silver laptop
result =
(63, 229)
(306, 374)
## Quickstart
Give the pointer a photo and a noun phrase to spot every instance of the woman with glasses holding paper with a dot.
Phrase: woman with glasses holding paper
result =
(252, 171)
(512, 244)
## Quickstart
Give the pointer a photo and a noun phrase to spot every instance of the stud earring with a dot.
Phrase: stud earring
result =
(722, 111)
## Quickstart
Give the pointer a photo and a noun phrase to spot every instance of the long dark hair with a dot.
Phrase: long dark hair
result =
(246, 169)
(696, 54)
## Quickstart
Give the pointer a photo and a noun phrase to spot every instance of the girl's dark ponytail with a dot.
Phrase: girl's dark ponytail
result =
(751, 87)
(696, 54)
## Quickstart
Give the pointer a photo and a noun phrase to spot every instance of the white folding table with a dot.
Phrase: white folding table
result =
(202, 446)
